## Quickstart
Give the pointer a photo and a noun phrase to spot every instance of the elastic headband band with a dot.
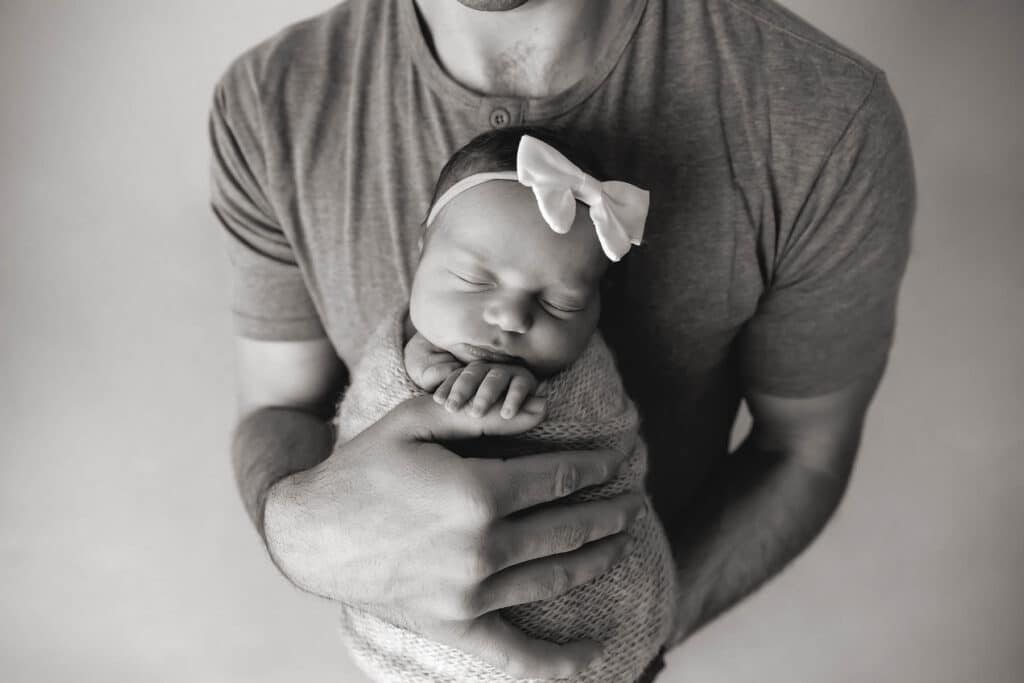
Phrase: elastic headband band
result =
(466, 183)
(618, 210)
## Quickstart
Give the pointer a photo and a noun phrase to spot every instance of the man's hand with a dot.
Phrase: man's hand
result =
(397, 525)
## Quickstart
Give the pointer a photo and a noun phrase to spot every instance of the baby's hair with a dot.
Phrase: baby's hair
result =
(496, 150)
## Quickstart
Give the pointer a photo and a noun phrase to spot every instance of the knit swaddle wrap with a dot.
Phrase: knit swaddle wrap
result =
(629, 609)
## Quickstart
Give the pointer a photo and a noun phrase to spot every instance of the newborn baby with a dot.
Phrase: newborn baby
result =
(503, 316)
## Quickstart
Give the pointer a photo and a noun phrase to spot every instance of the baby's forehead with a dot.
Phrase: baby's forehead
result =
(515, 239)
(500, 223)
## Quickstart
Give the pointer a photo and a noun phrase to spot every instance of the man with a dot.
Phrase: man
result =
(782, 196)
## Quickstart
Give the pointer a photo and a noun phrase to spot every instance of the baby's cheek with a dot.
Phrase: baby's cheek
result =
(567, 342)
(463, 321)
(443, 318)
(550, 348)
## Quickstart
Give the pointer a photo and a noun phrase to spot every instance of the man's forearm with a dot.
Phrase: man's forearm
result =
(270, 444)
(756, 513)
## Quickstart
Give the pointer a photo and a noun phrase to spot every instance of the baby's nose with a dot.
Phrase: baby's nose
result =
(510, 313)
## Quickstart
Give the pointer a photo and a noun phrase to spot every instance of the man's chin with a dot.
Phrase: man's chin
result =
(493, 5)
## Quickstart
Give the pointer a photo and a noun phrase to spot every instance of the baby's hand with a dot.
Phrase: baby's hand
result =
(426, 364)
(485, 383)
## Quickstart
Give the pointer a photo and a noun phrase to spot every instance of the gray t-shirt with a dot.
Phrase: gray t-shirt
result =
(778, 163)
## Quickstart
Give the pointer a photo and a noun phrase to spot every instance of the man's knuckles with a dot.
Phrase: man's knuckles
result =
(568, 537)
(568, 479)
(471, 501)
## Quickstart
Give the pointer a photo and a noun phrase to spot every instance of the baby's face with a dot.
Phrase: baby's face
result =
(495, 283)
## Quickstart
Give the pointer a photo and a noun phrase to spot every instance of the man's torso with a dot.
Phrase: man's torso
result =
(712, 106)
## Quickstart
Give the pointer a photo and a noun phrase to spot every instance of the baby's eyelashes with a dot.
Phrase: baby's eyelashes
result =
(559, 311)
(475, 281)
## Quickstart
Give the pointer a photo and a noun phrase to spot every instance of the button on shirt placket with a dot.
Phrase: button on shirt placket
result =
(500, 113)
(500, 117)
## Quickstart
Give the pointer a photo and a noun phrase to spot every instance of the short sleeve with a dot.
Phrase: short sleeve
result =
(269, 299)
(827, 316)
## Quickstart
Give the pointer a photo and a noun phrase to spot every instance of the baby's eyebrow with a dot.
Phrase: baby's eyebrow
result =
(472, 253)
(571, 292)
(574, 285)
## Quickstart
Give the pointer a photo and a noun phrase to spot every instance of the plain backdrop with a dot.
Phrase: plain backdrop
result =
(124, 552)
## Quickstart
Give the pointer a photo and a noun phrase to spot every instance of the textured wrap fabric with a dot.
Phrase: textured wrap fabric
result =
(629, 609)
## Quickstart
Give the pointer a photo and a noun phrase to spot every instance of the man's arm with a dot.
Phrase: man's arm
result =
(826, 321)
(286, 392)
(769, 499)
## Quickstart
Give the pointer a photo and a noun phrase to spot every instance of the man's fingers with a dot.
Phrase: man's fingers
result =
(508, 649)
(561, 529)
(531, 480)
(550, 577)
(421, 419)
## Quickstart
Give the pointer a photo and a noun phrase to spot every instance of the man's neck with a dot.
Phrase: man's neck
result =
(536, 50)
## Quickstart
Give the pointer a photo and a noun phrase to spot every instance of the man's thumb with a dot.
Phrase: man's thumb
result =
(428, 421)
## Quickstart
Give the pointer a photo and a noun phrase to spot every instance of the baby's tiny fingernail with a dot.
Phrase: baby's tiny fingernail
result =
(476, 411)
(506, 413)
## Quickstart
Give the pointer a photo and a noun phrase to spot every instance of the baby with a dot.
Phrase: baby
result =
(503, 316)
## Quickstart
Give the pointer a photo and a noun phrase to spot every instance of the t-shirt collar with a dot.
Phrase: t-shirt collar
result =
(500, 111)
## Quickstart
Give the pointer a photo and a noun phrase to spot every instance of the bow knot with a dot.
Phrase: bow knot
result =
(617, 209)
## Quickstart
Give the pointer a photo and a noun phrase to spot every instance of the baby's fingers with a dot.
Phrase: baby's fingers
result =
(434, 375)
(465, 386)
(441, 393)
(490, 390)
(518, 389)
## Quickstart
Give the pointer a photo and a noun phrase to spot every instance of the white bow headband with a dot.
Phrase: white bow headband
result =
(617, 209)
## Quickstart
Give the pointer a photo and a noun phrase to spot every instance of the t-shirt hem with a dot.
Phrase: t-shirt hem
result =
(809, 388)
(291, 329)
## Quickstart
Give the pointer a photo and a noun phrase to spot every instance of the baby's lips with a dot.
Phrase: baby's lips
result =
(491, 355)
